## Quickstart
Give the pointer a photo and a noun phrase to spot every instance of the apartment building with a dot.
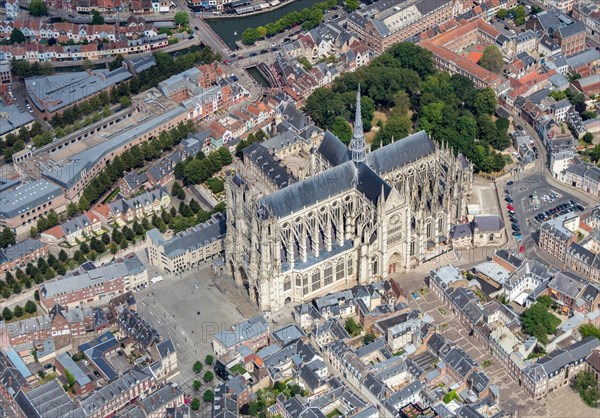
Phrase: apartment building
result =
(94, 286)
(21, 207)
(252, 333)
(589, 13)
(187, 248)
(572, 293)
(557, 369)
(584, 257)
(387, 22)
(18, 255)
(446, 47)
(557, 234)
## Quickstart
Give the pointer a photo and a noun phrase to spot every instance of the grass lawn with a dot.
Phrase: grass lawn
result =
(50, 376)
(238, 368)
(215, 185)
(334, 413)
(376, 116)
(111, 196)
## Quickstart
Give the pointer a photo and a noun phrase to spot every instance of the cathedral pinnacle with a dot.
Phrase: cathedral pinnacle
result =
(358, 145)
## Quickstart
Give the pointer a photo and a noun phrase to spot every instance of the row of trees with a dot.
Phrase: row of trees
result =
(517, 13)
(309, 18)
(38, 272)
(76, 112)
(18, 311)
(134, 158)
(15, 142)
(403, 83)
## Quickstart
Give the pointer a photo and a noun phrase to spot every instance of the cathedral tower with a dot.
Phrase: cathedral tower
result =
(358, 144)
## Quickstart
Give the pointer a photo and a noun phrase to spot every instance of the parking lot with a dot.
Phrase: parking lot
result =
(530, 195)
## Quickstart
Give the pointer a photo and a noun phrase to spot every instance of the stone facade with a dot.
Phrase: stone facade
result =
(353, 218)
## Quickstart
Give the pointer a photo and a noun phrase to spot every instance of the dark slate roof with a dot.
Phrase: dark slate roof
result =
(461, 231)
(324, 185)
(558, 359)
(488, 223)
(269, 165)
(165, 347)
(400, 153)
(334, 150)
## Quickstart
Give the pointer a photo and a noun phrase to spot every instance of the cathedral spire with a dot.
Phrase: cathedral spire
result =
(358, 145)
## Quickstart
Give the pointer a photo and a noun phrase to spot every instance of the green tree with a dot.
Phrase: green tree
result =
(352, 327)
(16, 36)
(97, 18)
(63, 256)
(501, 14)
(368, 338)
(7, 314)
(30, 306)
(33, 232)
(197, 367)
(249, 36)
(208, 396)
(18, 311)
(485, 102)
(492, 59)
(519, 12)
(105, 238)
(208, 360)
(83, 204)
(195, 405)
(342, 130)
(589, 330)
(539, 322)
(587, 138)
(181, 18)
(545, 300)
(38, 8)
(113, 248)
(587, 386)
(196, 385)
(208, 377)
(84, 248)
(125, 102)
(352, 5)
(7, 237)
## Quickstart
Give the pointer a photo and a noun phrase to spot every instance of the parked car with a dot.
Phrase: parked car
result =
(510, 183)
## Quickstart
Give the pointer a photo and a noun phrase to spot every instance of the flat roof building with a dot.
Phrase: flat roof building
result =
(22, 206)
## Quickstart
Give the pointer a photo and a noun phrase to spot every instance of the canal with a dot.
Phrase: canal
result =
(227, 28)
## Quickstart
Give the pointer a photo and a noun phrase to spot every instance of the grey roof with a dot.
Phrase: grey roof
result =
(13, 117)
(323, 186)
(46, 401)
(75, 280)
(95, 351)
(194, 237)
(488, 223)
(567, 283)
(165, 347)
(27, 196)
(460, 361)
(583, 58)
(156, 400)
(461, 231)
(400, 153)
(61, 90)
(69, 173)
(334, 150)
(111, 391)
(558, 359)
(288, 334)
(572, 29)
(68, 363)
(269, 164)
(14, 252)
(244, 331)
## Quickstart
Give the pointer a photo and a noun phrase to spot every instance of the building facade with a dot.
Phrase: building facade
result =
(355, 217)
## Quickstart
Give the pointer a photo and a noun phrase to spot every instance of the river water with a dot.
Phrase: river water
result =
(227, 27)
